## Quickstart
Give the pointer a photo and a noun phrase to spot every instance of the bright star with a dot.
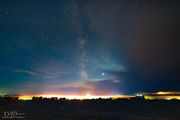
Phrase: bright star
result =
(103, 74)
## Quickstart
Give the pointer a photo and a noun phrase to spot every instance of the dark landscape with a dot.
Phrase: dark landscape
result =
(97, 109)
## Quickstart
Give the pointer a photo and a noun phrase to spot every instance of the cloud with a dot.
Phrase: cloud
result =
(117, 73)
(105, 86)
(29, 72)
(68, 90)
(93, 87)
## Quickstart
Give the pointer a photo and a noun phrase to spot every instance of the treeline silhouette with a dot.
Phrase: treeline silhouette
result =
(47, 108)
(56, 99)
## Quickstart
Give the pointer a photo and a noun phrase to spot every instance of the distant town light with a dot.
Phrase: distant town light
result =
(139, 95)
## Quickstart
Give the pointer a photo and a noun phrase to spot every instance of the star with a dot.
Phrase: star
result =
(103, 74)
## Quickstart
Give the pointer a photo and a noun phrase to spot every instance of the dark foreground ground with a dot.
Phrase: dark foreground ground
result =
(90, 110)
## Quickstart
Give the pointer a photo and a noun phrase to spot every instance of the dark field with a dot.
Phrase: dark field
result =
(92, 109)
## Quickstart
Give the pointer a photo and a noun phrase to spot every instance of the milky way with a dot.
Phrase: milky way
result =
(89, 47)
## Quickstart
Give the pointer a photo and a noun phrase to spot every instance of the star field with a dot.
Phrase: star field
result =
(96, 47)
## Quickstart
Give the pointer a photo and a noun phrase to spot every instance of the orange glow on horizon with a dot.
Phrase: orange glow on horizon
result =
(71, 97)
(25, 97)
(156, 95)
(162, 93)
(162, 97)
(166, 95)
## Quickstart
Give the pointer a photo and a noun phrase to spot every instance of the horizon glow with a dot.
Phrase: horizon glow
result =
(71, 97)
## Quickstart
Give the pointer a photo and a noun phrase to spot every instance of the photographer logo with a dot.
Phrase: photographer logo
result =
(12, 114)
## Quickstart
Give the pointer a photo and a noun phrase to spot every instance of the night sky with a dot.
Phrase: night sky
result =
(98, 47)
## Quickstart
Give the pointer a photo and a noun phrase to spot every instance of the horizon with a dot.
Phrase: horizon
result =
(168, 95)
